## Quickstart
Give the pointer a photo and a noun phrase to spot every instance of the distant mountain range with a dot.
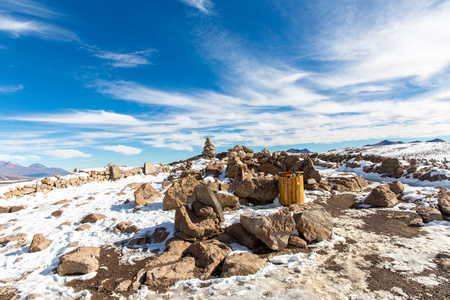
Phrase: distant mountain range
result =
(386, 142)
(298, 151)
(14, 171)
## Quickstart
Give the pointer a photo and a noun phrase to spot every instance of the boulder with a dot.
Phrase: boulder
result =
(444, 201)
(314, 225)
(149, 168)
(381, 196)
(205, 195)
(227, 200)
(429, 214)
(39, 243)
(145, 194)
(297, 241)
(273, 230)
(268, 168)
(307, 167)
(178, 194)
(92, 218)
(203, 211)
(241, 264)
(350, 184)
(245, 238)
(187, 223)
(396, 187)
(261, 190)
(169, 274)
(208, 255)
(82, 260)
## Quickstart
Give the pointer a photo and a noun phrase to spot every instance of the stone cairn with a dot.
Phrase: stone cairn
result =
(208, 150)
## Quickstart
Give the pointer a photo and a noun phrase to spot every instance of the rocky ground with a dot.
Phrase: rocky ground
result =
(213, 227)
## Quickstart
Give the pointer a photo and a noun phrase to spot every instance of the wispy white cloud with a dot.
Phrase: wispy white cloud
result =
(66, 153)
(202, 5)
(125, 60)
(8, 157)
(10, 88)
(127, 150)
(89, 117)
(28, 7)
(25, 26)
(411, 42)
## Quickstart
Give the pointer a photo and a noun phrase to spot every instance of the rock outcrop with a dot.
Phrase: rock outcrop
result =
(82, 260)
(382, 196)
(39, 243)
(273, 230)
(260, 190)
(241, 264)
(145, 194)
(314, 225)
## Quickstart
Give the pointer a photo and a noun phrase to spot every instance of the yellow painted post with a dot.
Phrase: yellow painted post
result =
(291, 188)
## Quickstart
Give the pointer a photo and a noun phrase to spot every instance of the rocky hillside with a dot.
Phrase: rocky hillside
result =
(210, 228)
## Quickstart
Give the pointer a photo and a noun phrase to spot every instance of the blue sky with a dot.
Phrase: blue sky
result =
(84, 83)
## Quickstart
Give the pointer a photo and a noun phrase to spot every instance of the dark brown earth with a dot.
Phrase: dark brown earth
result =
(102, 285)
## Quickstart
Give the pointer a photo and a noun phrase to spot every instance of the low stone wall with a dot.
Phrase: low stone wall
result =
(49, 184)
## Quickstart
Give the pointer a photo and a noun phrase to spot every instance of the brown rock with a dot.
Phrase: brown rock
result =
(73, 245)
(39, 243)
(123, 286)
(191, 226)
(350, 184)
(274, 230)
(82, 260)
(397, 187)
(145, 194)
(444, 201)
(268, 168)
(205, 195)
(247, 239)
(131, 229)
(227, 200)
(203, 211)
(381, 196)
(4, 209)
(297, 241)
(83, 227)
(260, 190)
(122, 226)
(303, 207)
(208, 255)
(179, 192)
(34, 296)
(92, 218)
(57, 213)
(429, 214)
(314, 225)
(158, 236)
(149, 168)
(169, 274)
(241, 264)
(20, 237)
(17, 208)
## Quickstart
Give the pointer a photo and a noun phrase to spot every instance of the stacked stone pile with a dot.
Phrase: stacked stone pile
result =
(208, 149)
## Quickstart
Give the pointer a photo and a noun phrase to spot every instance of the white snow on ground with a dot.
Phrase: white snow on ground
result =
(437, 151)
(299, 276)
